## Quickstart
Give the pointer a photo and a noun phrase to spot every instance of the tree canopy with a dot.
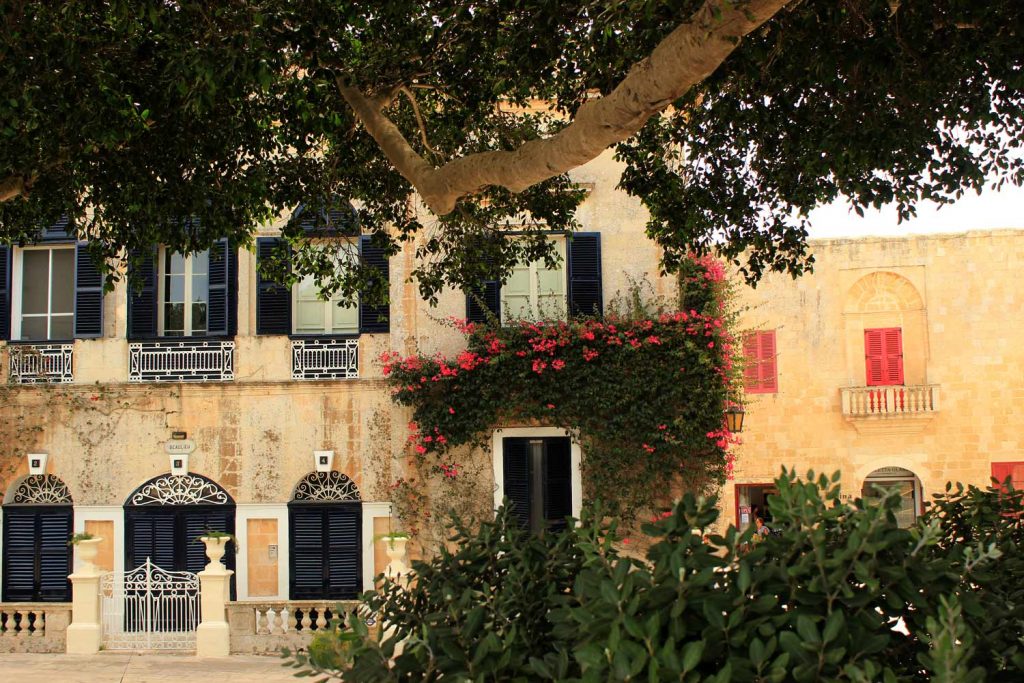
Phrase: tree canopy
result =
(180, 122)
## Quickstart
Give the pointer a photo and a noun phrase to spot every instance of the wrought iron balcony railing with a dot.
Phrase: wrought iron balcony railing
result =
(181, 361)
(336, 358)
(34, 363)
(890, 401)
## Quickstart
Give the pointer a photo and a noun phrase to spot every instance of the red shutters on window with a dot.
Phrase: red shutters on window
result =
(759, 375)
(883, 352)
(1013, 470)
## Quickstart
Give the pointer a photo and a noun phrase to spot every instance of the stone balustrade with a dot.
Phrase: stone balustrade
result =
(33, 627)
(890, 401)
(266, 627)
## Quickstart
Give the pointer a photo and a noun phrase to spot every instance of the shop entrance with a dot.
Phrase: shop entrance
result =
(903, 480)
(752, 502)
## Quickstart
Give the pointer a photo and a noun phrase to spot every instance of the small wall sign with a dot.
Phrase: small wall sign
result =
(181, 447)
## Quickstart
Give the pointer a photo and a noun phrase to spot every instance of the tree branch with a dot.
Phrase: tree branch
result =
(683, 59)
(11, 187)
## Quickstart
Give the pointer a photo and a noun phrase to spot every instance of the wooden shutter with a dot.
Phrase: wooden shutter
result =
(1013, 470)
(343, 551)
(306, 554)
(374, 318)
(37, 558)
(517, 475)
(585, 295)
(760, 375)
(5, 292)
(150, 534)
(273, 301)
(88, 295)
(557, 482)
(58, 232)
(221, 274)
(142, 295)
(883, 353)
(196, 523)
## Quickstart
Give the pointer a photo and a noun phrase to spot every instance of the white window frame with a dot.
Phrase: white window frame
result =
(498, 460)
(161, 274)
(534, 268)
(17, 281)
(351, 250)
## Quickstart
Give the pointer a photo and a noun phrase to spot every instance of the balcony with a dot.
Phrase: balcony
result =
(181, 361)
(321, 359)
(40, 363)
(893, 409)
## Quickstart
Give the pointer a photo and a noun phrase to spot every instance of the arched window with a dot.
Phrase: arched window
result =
(324, 525)
(903, 480)
(37, 527)
(165, 516)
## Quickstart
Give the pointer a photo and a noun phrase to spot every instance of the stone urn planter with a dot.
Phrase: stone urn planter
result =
(215, 546)
(394, 546)
(86, 551)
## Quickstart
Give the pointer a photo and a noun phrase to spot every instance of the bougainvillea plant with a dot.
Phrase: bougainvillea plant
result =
(644, 392)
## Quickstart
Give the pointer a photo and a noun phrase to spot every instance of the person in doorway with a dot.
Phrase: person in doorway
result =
(762, 529)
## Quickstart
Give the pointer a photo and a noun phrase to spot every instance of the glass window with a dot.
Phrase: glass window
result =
(184, 294)
(46, 306)
(535, 292)
(314, 314)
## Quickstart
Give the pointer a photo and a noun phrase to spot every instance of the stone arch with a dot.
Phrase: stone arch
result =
(883, 292)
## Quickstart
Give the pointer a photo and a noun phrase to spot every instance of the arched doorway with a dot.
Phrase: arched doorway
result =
(37, 526)
(165, 516)
(325, 538)
(903, 480)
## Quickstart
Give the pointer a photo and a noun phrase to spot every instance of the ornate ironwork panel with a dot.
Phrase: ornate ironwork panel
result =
(41, 489)
(149, 608)
(181, 361)
(34, 363)
(185, 489)
(325, 358)
(326, 487)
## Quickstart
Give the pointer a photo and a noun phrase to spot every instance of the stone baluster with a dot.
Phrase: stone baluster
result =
(39, 625)
(321, 618)
(306, 621)
(261, 620)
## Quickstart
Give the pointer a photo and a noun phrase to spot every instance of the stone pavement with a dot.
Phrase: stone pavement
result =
(123, 667)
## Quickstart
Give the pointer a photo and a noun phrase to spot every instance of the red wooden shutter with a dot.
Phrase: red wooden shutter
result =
(750, 355)
(874, 353)
(766, 361)
(883, 354)
(1013, 470)
(893, 341)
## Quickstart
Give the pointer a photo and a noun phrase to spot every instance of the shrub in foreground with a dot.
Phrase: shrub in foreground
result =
(842, 593)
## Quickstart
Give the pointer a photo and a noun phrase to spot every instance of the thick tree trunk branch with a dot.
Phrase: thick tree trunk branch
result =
(11, 187)
(683, 59)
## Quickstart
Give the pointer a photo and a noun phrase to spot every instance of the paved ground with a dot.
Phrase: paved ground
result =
(141, 668)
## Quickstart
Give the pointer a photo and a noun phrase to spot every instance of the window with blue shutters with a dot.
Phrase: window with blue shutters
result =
(535, 292)
(537, 478)
(37, 525)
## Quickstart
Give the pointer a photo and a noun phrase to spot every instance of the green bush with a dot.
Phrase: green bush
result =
(842, 593)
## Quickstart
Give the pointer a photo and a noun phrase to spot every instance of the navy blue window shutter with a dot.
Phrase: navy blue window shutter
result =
(484, 301)
(37, 558)
(306, 556)
(273, 301)
(197, 523)
(142, 294)
(5, 292)
(58, 232)
(88, 295)
(19, 555)
(343, 551)
(151, 535)
(54, 555)
(517, 474)
(585, 274)
(376, 317)
(232, 288)
(219, 312)
(557, 482)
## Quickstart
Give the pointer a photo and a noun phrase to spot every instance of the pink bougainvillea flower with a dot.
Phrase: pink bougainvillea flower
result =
(558, 364)
(551, 406)
(421, 449)
(451, 410)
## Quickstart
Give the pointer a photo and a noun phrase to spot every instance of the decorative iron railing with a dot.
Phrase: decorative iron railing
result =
(890, 401)
(336, 358)
(32, 363)
(149, 608)
(181, 361)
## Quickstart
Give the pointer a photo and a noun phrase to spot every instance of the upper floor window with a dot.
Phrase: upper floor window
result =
(760, 375)
(184, 293)
(535, 292)
(883, 352)
(316, 314)
(44, 293)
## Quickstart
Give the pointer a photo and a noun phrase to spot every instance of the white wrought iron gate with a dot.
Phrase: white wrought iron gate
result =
(149, 608)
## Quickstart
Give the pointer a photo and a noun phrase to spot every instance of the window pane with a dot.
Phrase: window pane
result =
(198, 318)
(61, 327)
(174, 289)
(306, 290)
(201, 262)
(345, 319)
(516, 308)
(551, 307)
(200, 287)
(63, 293)
(35, 281)
(175, 264)
(174, 319)
(550, 281)
(309, 317)
(34, 328)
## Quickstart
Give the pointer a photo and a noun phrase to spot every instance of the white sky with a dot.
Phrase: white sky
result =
(991, 209)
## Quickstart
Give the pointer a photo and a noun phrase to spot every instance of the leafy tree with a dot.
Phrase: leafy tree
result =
(184, 121)
(841, 593)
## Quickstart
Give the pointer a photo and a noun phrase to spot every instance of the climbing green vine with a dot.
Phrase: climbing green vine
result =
(644, 390)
